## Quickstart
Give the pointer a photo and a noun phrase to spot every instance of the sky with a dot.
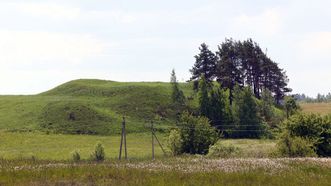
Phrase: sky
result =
(46, 43)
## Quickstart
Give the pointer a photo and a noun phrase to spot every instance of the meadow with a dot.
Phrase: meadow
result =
(318, 108)
(14, 145)
(174, 171)
(38, 134)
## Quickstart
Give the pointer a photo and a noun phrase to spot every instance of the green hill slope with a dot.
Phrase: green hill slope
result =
(90, 107)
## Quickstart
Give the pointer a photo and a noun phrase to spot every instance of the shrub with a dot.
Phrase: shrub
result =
(296, 147)
(223, 151)
(310, 127)
(75, 156)
(99, 153)
(175, 142)
(196, 134)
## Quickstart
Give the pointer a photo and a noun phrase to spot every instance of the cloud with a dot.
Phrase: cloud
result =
(64, 12)
(116, 16)
(51, 10)
(24, 47)
(317, 44)
(267, 23)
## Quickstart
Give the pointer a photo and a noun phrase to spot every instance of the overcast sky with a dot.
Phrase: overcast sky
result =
(46, 43)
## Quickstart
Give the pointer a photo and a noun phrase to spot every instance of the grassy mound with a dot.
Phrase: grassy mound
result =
(74, 118)
(98, 107)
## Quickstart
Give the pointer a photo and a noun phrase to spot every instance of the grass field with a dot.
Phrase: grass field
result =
(14, 145)
(175, 171)
(59, 147)
(319, 108)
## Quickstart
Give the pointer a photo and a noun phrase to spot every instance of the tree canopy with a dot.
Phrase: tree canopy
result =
(241, 63)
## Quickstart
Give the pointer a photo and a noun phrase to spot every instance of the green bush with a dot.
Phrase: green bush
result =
(175, 142)
(99, 153)
(223, 151)
(310, 127)
(296, 147)
(196, 134)
(75, 156)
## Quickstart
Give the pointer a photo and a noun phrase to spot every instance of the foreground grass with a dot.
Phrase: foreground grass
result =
(60, 147)
(178, 171)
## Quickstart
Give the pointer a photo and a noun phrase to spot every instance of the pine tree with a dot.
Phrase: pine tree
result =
(242, 63)
(177, 95)
(228, 67)
(252, 59)
(205, 63)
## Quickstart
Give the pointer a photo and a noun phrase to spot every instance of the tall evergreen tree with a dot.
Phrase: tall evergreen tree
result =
(228, 67)
(177, 95)
(205, 63)
(251, 58)
(203, 97)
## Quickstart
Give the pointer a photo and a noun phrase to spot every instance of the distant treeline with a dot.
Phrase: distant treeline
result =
(320, 98)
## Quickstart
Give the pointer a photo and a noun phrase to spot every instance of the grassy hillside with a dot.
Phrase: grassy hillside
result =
(90, 106)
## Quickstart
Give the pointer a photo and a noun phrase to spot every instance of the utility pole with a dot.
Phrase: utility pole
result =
(123, 140)
(126, 151)
(152, 128)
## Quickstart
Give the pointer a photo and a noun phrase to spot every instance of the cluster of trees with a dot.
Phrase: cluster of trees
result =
(239, 91)
(242, 119)
(241, 63)
(238, 86)
(320, 98)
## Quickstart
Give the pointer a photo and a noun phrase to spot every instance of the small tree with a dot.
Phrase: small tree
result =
(75, 156)
(177, 95)
(99, 152)
(291, 107)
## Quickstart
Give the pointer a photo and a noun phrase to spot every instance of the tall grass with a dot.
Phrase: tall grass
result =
(101, 174)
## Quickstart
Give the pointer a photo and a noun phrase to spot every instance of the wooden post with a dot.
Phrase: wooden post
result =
(126, 151)
(120, 155)
(123, 140)
(152, 128)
